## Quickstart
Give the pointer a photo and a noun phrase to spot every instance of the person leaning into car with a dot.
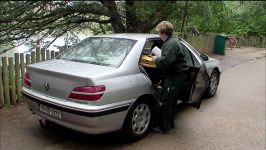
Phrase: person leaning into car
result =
(174, 71)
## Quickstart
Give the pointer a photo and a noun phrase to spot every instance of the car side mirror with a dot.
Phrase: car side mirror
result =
(204, 57)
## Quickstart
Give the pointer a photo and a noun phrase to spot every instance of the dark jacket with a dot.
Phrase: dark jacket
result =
(172, 60)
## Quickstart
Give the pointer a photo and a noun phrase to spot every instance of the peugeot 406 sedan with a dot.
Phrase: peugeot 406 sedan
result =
(105, 83)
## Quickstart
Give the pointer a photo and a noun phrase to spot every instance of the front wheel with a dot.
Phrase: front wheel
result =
(138, 120)
(214, 81)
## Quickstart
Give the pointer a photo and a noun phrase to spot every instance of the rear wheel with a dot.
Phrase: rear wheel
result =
(138, 120)
(214, 81)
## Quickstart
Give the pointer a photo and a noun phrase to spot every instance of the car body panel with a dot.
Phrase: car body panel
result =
(201, 82)
(124, 84)
(211, 64)
(91, 123)
(77, 116)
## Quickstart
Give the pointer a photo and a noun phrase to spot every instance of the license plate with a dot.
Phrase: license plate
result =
(50, 111)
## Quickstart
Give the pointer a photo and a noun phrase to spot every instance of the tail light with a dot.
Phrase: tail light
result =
(87, 93)
(27, 80)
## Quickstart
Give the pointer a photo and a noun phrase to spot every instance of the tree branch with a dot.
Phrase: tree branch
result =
(162, 13)
(115, 18)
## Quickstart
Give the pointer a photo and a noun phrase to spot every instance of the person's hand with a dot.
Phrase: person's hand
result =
(154, 58)
(150, 54)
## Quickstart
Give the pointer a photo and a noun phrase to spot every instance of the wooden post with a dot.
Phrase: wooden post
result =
(27, 59)
(12, 80)
(22, 66)
(47, 55)
(32, 57)
(61, 50)
(52, 54)
(56, 54)
(17, 76)
(5, 81)
(2, 102)
(43, 54)
(22, 71)
(38, 54)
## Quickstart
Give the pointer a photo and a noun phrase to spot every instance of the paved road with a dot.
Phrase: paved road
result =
(233, 119)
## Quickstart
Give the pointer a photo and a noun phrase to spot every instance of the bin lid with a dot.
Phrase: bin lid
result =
(221, 34)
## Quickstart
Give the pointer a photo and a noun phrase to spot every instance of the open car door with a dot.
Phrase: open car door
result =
(195, 87)
(198, 80)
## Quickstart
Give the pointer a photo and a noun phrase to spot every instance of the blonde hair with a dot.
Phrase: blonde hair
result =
(165, 27)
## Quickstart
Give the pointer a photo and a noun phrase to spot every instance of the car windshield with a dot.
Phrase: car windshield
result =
(99, 50)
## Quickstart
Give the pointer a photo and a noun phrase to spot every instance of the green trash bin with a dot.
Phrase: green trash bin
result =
(219, 45)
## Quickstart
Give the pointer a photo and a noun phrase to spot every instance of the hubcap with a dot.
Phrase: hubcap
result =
(141, 118)
(214, 83)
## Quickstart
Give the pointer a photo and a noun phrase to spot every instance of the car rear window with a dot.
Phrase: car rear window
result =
(99, 50)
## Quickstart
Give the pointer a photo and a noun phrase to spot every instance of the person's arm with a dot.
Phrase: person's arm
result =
(168, 57)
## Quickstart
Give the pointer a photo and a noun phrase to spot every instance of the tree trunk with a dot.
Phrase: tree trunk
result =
(132, 22)
(161, 13)
(115, 18)
(184, 17)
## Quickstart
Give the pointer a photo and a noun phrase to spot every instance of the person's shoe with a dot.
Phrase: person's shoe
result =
(165, 131)
(157, 84)
(159, 89)
(156, 130)
(172, 125)
(161, 130)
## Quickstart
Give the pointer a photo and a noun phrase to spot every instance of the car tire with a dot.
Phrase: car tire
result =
(138, 121)
(213, 85)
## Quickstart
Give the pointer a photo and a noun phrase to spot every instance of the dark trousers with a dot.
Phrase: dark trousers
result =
(171, 88)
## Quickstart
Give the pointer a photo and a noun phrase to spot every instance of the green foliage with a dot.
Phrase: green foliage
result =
(23, 21)
(230, 17)
(247, 18)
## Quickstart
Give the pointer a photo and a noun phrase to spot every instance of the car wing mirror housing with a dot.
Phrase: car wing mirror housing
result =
(204, 57)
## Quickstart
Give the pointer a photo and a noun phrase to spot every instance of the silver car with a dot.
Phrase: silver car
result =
(105, 83)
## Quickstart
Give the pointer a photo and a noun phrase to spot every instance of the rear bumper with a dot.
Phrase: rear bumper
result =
(90, 119)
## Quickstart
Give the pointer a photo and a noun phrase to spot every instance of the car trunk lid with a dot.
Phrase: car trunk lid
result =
(57, 78)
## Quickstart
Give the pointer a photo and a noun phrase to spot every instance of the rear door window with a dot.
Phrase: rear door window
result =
(150, 44)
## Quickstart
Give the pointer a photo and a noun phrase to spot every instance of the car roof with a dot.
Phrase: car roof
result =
(134, 36)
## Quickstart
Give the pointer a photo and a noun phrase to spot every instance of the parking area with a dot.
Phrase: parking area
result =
(233, 119)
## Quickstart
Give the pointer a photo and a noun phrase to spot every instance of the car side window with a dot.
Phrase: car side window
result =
(150, 44)
(196, 62)
(187, 55)
(191, 59)
(147, 47)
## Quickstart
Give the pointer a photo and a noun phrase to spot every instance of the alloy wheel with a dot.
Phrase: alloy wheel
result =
(141, 118)
(214, 83)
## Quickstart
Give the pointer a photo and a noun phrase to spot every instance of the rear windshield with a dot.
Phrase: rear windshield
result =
(99, 50)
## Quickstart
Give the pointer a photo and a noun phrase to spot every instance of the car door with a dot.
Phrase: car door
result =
(198, 80)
